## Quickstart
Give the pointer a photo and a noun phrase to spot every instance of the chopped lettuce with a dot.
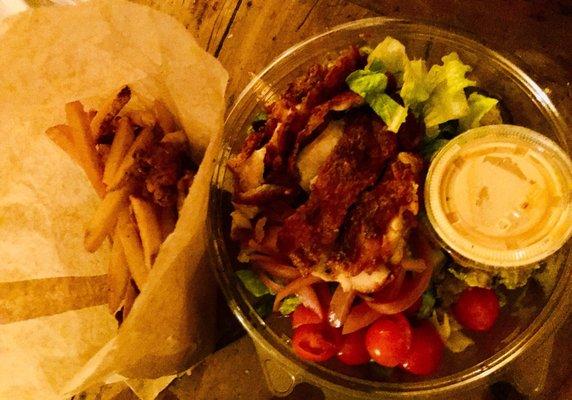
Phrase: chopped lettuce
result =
(427, 305)
(371, 86)
(367, 83)
(479, 105)
(451, 332)
(389, 55)
(447, 82)
(472, 277)
(513, 278)
(289, 304)
(252, 283)
(389, 110)
(416, 88)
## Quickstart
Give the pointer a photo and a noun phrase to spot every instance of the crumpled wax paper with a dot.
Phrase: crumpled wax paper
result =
(56, 335)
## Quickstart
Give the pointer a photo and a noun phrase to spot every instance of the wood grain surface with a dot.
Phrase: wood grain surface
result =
(247, 34)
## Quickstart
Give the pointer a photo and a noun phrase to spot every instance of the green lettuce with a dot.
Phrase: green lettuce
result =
(389, 55)
(479, 105)
(416, 88)
(367, 83)
(427, 305)
(371, 86)
(252, 283)
(289, 304)
(447, 83)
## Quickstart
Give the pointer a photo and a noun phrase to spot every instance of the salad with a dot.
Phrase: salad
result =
(328, 213)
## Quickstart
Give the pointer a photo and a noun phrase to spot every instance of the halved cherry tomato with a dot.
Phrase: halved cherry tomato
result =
(426, 351)
(352, 350)
(317, 342)
(302, 315)
(477, 309)
(388, 340)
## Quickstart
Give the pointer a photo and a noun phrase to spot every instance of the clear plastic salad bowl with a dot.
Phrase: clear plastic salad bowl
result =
(512, 357)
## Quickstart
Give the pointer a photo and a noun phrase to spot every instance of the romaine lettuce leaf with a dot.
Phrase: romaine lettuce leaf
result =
(371, 86)
(390, 111)
(416, 88)
(289, 304)
(252, 283)
(479, 105)
(365, 82)
(389, 55)
(447, 83)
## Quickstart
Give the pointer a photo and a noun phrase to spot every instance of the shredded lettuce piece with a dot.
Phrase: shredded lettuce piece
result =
(371, 86)
(289, 304)
(427, 305)
(416, 89)
(390, 111)
(513, 278)
(447, 82)
(367, 83)
(473, 277)
(389, 55)
(252, 283)
(479, 105)
(451, 332)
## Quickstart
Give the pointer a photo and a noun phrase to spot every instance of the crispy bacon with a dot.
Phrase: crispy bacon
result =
(355, 164)
(379, 224)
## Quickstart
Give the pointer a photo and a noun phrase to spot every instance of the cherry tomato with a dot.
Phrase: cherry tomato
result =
(352, 350)
(477, 309)
(317, 342)
(426, 351)
(302, 315)
(388, 340)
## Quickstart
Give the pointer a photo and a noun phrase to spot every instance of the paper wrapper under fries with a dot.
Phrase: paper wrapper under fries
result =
(57, 335)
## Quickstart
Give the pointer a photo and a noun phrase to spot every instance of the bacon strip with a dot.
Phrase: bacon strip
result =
(355, 164)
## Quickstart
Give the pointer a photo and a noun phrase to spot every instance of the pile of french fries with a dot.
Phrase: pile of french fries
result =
(135, 225)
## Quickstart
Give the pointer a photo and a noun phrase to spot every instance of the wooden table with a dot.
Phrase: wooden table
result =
(246, 34)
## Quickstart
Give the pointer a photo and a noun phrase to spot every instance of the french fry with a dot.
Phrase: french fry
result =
(78, 120)
(127, 233)
(62, 136)
(167, 221)
(117, 275)
(101, 123)
(142, 141)
(130, 296)
(105, 217)
(164, 117)
(122, 141)
(175, 137)
(149, 229)
(142, 118)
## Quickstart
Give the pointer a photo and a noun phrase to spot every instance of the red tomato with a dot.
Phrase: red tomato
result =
(388, 340)
(302, 315)
(477, 309)
(318, 342)
(353, 351)
(426, 350)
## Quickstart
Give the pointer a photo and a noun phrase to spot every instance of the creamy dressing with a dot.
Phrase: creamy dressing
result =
(501, 195)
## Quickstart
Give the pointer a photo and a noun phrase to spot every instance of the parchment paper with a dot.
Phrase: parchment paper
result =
(56, 336)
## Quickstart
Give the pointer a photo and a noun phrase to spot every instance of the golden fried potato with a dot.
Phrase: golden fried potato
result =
(167, 221)
(149, 229)
(105, 217)
(142, 118)
(127, 233)
(141, 142)
(164, 117)
(130, 296)
(122, 141)
(101, 122)
(118, 276)
(62, 136)
(84, 143)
